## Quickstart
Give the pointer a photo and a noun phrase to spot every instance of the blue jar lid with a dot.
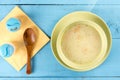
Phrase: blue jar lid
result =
(6, 50)
(13, 24)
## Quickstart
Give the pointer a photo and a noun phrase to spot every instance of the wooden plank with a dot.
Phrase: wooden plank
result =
(47, 2)
(41, 78)
(59, 2)
(44, 63)
(108, 78)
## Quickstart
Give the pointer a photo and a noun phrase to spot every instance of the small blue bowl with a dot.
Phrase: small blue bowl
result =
(6, 50)
(13, 24)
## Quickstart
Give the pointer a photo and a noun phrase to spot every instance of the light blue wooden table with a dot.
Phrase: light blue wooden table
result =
(46, 13)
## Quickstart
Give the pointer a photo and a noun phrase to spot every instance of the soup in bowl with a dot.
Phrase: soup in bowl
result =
(81, 44)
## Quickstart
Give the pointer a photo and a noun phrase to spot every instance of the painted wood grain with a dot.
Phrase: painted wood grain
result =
(47, 1)
(98, 78)
(108, 78)
(59, 2)
(46, 16)
(41, 78)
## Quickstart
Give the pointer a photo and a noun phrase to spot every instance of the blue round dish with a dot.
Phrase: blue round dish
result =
(6, 50)
(13, 24)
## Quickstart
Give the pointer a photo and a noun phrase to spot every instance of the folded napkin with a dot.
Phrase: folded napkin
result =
(19, 57)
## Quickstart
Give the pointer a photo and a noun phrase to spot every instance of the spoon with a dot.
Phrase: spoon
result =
(29, 40)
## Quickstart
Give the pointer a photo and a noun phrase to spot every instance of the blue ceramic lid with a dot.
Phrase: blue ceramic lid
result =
(6, 50)
(13, 24)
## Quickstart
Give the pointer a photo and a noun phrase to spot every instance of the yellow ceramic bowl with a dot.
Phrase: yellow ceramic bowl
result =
(65, 24)
(70, 57)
